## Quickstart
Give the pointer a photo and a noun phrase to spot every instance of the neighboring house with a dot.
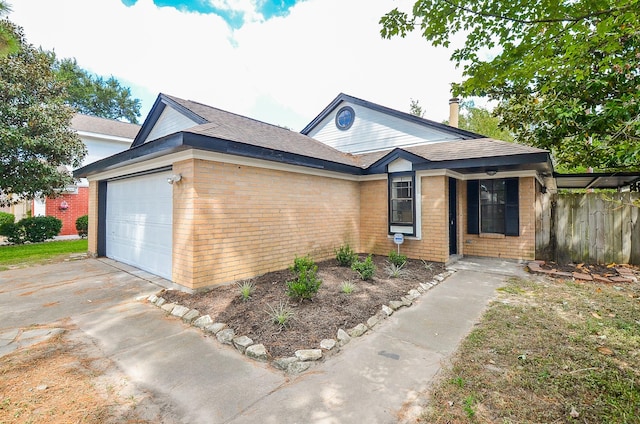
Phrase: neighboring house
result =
(102, 138)
(205, 197)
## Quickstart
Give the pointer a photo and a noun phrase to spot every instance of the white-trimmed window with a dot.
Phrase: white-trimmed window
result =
(402, 208)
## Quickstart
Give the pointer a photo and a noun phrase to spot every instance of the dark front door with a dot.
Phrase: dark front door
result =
(453, 213)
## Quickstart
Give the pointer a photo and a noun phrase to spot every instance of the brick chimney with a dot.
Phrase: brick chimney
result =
(454, 109)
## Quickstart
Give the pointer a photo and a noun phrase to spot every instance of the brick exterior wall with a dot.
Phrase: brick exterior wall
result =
(78, 205)
(233, 222)
(93, 219)
(499, 246)
(374, 228)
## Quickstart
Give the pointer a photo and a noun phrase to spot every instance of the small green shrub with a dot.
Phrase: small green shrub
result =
(246, 289)
(33, 230)
(40, 228)
(428, 266)
(281, 315)
(6, 218)
(306, 284)
(14, 233)
(302, 263)
(345, 255)
(396, 271)
(397, 259)
(365, 269)
(347, 287)
(82, 225)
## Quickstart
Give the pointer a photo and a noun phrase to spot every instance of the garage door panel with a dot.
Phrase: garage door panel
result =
(139, 222)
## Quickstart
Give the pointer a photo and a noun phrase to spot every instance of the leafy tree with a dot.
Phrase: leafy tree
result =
(36, 139)
(566, 73)
(482, 121)
(415, 108)
(94, 95)
(8, 43)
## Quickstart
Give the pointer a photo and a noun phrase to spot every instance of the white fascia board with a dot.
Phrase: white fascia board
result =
(99, 136)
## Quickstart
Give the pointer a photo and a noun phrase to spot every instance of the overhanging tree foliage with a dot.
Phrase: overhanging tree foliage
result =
(8, 43)
(94, 95)
(36, 139)
(566, 73)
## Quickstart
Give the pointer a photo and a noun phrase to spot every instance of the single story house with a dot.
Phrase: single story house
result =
(204, 197)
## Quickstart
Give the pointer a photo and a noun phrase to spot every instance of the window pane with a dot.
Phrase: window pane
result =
(402, 211)
(492, 201)
(402, 200)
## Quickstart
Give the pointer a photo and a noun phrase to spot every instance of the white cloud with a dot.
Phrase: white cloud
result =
(284, 70)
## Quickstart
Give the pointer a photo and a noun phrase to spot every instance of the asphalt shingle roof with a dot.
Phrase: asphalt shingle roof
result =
(230, 126)
(97, 125)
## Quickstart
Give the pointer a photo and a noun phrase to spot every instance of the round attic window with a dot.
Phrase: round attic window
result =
(345, 118)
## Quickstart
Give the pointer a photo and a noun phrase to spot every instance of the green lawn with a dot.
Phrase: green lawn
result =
(28, 254)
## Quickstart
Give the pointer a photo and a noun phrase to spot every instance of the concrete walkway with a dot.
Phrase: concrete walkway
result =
(379, 377)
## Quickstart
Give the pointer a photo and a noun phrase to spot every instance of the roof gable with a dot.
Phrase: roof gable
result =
(167, 116)
(377, 127)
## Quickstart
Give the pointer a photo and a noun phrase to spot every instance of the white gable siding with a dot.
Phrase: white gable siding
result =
(372, 131)
(169, 122)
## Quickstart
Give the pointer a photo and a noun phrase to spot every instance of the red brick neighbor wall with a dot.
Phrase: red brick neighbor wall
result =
(77, 205)
(232, 222)
(374, 229)
(498, 245)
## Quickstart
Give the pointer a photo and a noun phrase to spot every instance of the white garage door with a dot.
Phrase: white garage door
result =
(139, 222)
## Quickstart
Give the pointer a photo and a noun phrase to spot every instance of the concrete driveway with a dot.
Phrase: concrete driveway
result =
(194, 379)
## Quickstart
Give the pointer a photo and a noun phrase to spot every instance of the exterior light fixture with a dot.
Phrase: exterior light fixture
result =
(174, 178)
(491, 172)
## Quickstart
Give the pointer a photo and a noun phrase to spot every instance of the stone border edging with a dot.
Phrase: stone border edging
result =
(626, 275)
(302, 359)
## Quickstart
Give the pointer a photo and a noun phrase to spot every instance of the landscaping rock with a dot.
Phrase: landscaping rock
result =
(305, 355)
(406, 302)
(373, 321)
(358, 330)
(152, 298)
(343, 337)
(257, 352)
(439, 278)
(426, 286)
(413, 294)
(283, 363)
(396, 304)
(225, 336)
(168, 307)
(179, 311)
(327, 344)
(161, 301)
(190, 316)
(298, 367)
(242, 343)
(203, 321)
(387, 310)
(215, 328)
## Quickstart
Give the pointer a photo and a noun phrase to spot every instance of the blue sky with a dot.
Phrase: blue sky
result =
(229, 11)
(281, 62)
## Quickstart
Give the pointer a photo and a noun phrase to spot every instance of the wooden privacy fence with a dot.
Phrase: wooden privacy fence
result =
(589, 227)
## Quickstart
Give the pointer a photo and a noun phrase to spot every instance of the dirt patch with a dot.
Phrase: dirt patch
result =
(314, 320)
(56, 381)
